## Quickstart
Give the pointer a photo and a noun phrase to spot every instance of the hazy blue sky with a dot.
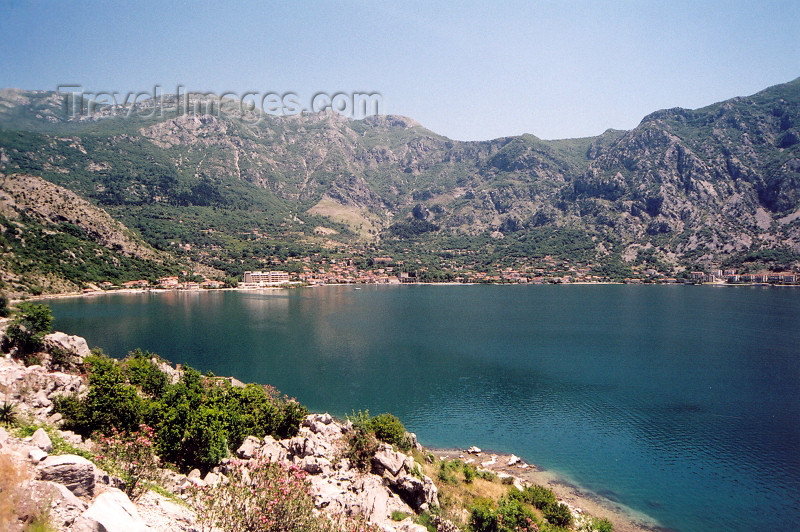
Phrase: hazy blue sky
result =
(468, 70)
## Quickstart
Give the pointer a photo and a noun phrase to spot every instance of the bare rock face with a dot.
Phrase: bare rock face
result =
(388, 461)
(248, 448)
(339, 489)
(273, 450)
(65, 507)
(407, 525)
(32, 388)
(418, 493)
(72, 344)
(112, 511)
(74, 472)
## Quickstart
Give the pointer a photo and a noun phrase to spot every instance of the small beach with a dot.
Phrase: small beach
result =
(624, 519)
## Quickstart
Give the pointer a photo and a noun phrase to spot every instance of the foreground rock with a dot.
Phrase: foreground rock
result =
(74, 472)
(80, 497)
(112, 511)
(394, 483)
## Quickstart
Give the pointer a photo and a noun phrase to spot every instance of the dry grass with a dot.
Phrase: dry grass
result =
(359, 220)
(12, 478)
(12, 492)
(455, 494)
(18, 511)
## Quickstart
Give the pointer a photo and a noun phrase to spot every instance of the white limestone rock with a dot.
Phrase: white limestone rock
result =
(112, 511)
(41, 440)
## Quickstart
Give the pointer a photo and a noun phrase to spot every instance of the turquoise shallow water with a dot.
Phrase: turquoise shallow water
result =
(679, 402)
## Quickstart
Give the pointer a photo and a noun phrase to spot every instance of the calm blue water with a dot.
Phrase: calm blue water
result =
(679, 402)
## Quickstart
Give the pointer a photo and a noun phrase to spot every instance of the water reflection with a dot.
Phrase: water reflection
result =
(680, 400)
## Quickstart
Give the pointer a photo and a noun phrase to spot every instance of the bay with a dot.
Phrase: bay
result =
(678, 402)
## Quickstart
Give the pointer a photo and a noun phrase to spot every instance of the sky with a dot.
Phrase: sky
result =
(467, 70)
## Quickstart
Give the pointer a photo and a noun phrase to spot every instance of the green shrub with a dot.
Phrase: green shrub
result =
(447, 469)
(293, 415)
(197, 420)
(538, 496)
(60, 358)
(389, 429)
(483, 516)
(360, 419)
(597, 524)
(30, 325)
(514, 516)
(385, 427)
(4, 310)
(361, 446)
(8, 414)
(142, 372)
(427, 520)
(558, 514)
(470, 471)
(510, 515)
(487, 475)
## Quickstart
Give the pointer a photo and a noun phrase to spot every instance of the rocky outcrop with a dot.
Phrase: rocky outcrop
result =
(77, 495)
(112, 511)
(84, 498)
(394, 483)
(74, 472)
(33, 388)
(74, 345)
(41, 440)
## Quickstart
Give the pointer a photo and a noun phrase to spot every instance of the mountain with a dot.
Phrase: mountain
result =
(54, 241)
(684, 189)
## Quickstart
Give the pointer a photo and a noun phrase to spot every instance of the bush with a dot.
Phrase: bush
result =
(30, 325)
(142, 372)
(385, 427)
(389, 429)
(470, 471)
(447, 469)
(8, 414)
(4, 310)
(487, 475)
(510, 515)
(130, 456)
(513, 516)
(361, 446)
(197, 420)
(597, 524)
(293, 414)
(558, 514)
(538, 496)
(60, 358)
(483, 516)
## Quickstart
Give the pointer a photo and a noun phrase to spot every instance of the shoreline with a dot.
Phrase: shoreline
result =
(579, 499)
(65, 295)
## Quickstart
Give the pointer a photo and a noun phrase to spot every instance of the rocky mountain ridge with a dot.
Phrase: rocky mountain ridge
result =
(685, 188)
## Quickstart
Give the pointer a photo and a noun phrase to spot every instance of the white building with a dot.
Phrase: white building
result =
(265, 278)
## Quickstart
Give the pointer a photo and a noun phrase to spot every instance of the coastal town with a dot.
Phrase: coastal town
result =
(314, 271)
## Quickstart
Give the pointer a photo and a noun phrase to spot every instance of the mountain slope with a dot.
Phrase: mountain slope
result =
(54, 241)
(684, 189)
